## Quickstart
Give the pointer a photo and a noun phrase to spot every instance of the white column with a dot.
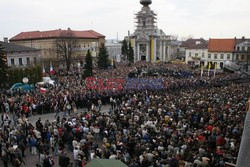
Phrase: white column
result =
(134, 48)
(147, 53)
(164, 51)
(138, 52)
(161, 57)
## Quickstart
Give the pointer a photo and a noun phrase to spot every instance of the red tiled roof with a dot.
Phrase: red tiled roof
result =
(89, 34)
(221, 45)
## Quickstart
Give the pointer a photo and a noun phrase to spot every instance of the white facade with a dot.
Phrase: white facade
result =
(203, 57)
(196, 56)
(23, 59)
(149, 42)
(114, 50)
(219, 58)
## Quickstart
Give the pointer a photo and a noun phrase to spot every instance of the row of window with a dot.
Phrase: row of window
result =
(221, 56)
(243, 48)
(20, 61)
(240, 57)
(196, 54)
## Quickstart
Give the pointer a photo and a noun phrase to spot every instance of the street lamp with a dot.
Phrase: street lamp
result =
(25, 80)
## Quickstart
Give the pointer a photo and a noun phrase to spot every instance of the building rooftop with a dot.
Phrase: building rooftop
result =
(192, 42)
(88, 34)
(221, 45)
(10, 47)
(199, 46)
(241, 40)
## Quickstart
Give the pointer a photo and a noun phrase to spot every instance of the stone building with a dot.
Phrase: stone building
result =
(241, 54)
(46, 42)
(114, 48)
(149, 42)
(20, 56)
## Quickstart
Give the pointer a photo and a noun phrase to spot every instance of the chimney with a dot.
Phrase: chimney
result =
(5, 39)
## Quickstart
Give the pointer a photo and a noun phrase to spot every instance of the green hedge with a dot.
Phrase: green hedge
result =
(34, 74)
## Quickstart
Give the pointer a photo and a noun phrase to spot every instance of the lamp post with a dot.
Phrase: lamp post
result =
(25, 80)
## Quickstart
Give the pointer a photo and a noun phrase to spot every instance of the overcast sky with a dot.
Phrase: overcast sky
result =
(198, 18)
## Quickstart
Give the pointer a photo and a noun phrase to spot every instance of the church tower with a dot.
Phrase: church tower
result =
(148, 41)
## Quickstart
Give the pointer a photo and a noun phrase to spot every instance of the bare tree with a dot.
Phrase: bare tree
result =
(174, 37)
(66, 46)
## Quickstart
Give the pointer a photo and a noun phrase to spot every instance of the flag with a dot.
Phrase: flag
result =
(202, 68)
(215, 66)
(44, 71)
(51, 71)
(209, 67)
(43, 90)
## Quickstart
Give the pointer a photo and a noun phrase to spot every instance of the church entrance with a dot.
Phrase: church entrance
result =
(143, 58)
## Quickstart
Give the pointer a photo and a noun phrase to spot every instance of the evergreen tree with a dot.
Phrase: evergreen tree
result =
(130, 53)
(124, 48)
(88, 67)
(38, 74)
(20, 75)
(11, 79)
(3, 67)
(102, 59)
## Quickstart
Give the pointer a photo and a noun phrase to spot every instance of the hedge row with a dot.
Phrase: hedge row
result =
(34, 74)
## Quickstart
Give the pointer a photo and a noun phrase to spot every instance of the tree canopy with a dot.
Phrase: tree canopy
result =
(88, 67)
(130, 53)
(103, 57)
(3, 67)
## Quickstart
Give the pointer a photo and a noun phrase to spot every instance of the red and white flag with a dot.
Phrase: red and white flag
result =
(51, 71)
(43, 90)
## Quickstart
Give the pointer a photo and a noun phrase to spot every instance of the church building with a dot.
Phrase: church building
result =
(150, 43)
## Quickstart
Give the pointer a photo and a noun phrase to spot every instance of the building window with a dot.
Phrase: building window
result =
(237, 57)
(12, 62)
(221, 65)
(215, 56)
(222, 56)
(238, 48)
(203, 54)
(228, 56)
(209, 56)
(248, 48)
(35, 60)
(28, 60)
(196, 54)
(243, 48)
(242, 57)
(190, 54)
(20, 61)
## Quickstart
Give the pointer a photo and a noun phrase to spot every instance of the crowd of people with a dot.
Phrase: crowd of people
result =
(192, 121)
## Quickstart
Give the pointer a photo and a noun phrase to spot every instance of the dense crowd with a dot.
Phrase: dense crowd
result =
(192, 121)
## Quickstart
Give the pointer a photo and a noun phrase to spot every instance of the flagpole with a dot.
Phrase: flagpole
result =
(201, 71)
(215, 67)
(209, 66)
